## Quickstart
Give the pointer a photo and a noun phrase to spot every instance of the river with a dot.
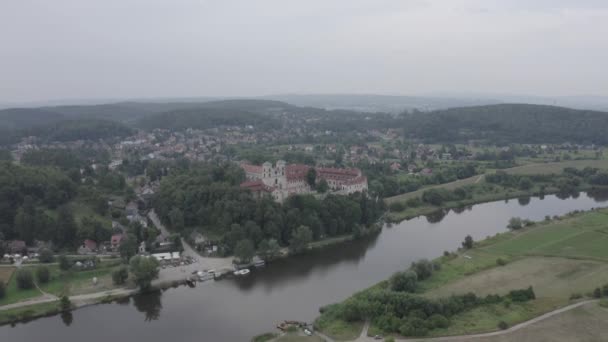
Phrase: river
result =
(293, 288)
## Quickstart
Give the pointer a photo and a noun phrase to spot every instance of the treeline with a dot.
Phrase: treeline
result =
(506, 123)
(407, 314)
(81, 129)
(208, 197)
(65, 159)
(208, 117)
(25, 195)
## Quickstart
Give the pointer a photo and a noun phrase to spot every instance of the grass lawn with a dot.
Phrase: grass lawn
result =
(265, 337)
(298, 338)
(31, 311)
(586, 323)
(78, 282)
(14, 294)
(340, 330)
(450, 186)
(555, 278)
(581, 236)
(6, 273)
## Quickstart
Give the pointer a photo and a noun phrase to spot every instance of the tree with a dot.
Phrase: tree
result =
(468, 242)
(244, 250)
(311, 177)
(322, 187)
(65, 304)
(515, 223)
(64, 263)
(2, 289)
(128, 248)
(43, 274)
(45, 255)
(176, 218)
(120, 275)
(404, 281)
(423, 268)
(144, 270)
(25, 280)
(300, 239)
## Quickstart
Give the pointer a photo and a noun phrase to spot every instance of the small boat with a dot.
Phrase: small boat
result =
(244, 271)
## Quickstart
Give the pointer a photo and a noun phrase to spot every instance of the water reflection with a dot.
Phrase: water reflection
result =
(67, 318)
(599, 195)
(437, 216)
(523, 201)
(150, 304)
(296, 268)
(293, 288)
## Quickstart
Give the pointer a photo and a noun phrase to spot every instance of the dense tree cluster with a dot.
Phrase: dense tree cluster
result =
(407, 314)
(505, 123)
(208, 197)
(80, 129)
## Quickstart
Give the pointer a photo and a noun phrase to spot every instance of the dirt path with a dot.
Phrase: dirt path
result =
(364, 338)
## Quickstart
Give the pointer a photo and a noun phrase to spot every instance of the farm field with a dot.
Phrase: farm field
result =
(6, 273)
(449, 186)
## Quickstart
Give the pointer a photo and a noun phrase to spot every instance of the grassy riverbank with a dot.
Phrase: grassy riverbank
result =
(563, 259)
(478, 189)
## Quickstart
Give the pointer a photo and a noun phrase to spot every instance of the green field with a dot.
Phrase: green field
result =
(585, 323)
(551, 168)
(449, 186)
(559, 258)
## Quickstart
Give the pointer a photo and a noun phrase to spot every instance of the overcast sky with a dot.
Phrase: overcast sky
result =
(70, 49)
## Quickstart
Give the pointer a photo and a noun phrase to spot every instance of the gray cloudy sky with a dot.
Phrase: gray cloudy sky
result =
(69, 49)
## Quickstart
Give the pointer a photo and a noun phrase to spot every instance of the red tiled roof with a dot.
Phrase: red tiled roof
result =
(256, 185)
(116, 239)
(251, 168)
(90, 244)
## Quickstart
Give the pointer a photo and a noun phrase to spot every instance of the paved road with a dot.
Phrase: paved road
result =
(364, 338)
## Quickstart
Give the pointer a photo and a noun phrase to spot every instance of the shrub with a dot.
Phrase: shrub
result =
(423, 268)
(43, 274)
(64, 263)
(389, 339)
(46, 256)
(597, 293)
(25, 280)
(438, 321)
(2, 289)
(468, 242)
(396, 206)
(515, 223)
(576, 296)
(605, 290)
(500, 262)
(120, 275)
(502, 325)
(404, 281)
(522, 295)
(414, 327)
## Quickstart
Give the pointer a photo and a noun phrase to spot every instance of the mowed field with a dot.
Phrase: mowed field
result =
(585, 323)
(558, 258)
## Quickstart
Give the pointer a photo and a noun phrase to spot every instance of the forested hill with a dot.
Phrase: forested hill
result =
(81, 129)
(207, 117)
(504, 123)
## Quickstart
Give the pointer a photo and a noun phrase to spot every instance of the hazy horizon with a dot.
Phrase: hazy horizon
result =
(147, 49)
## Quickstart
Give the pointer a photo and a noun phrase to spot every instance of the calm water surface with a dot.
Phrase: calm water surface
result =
(293, 289)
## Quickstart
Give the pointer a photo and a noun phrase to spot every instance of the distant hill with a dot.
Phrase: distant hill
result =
(19, 118)
(79, 129)
(208, 117)
(523, 123)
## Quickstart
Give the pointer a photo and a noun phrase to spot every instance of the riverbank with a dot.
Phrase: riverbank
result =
(477, 189)
(563, 259)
